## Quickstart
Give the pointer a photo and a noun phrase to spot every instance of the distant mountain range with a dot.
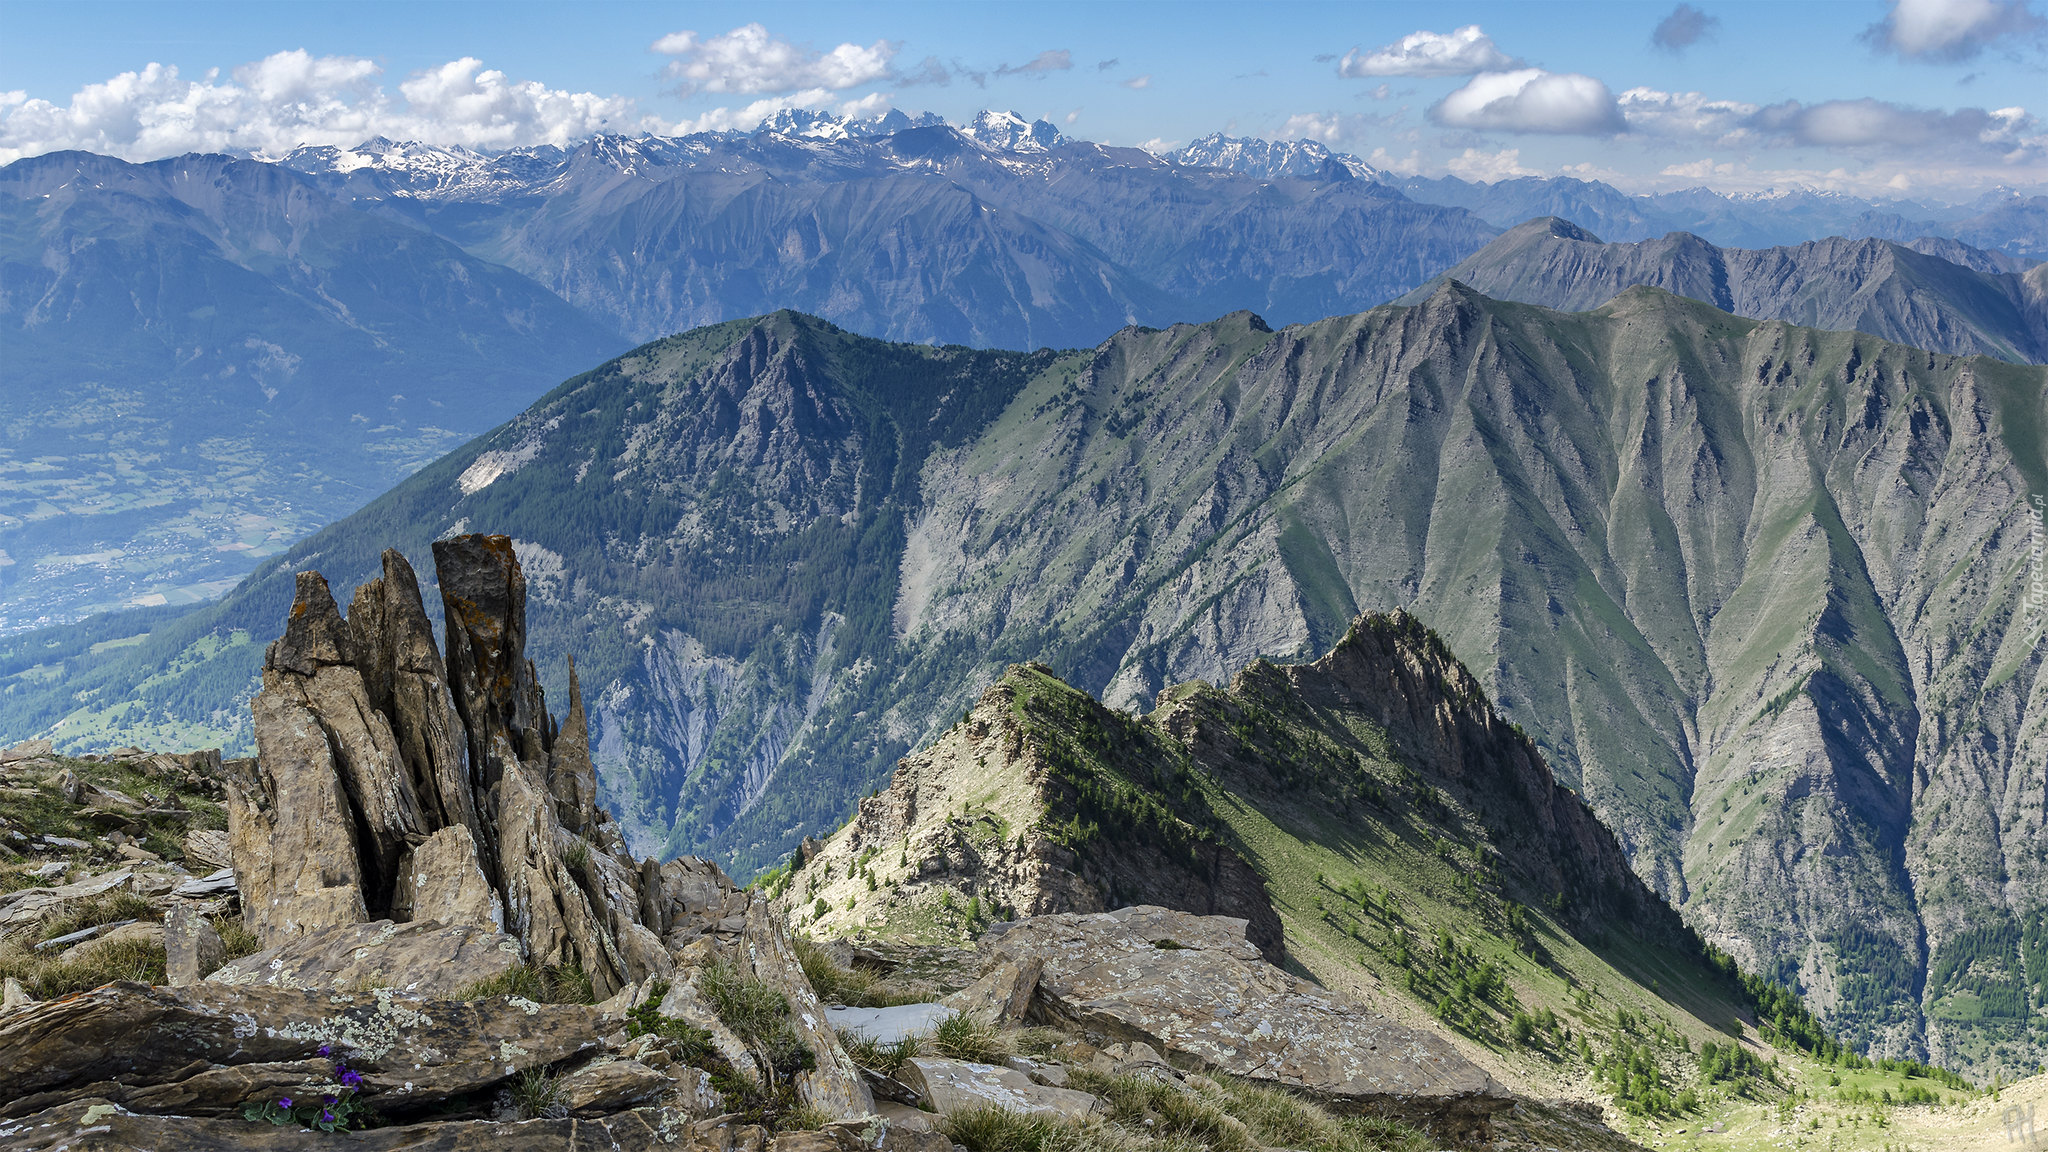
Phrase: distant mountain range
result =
(206, 358)
(1756, 590)
(1936, 294)
(188, 340)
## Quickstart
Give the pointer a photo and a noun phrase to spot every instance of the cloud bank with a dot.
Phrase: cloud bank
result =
(290, 98)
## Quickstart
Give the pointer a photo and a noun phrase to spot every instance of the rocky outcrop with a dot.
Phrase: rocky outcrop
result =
(395, 785)
(962, 1086)
(418, 823)
(1195, 987)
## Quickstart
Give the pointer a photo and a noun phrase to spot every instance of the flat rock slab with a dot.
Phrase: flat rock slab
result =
(887, 1025)
(423, 959)
(1186, 985)
(132, 1043)
(98, 1126)
(962, 1086)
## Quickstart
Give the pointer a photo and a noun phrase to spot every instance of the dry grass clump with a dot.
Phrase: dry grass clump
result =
(105, 908)
(1279, 1118)
(852, 986)
(965, 1036)
(44, 976)
(542, 984)
(881, 1057)
(236, 940)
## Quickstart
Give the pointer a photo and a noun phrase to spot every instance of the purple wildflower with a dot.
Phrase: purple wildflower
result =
(327, 1049)
(284, 1101)
(326, 1117)
(351, 1078)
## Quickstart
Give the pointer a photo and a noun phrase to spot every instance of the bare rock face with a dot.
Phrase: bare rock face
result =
(442, 881)
(1194, 986)
(835, 1085)
(393, 783)
(419, 959)
(960, 1086)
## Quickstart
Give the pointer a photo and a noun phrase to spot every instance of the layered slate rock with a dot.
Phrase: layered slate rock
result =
(423, 958)
(95, 1125)
(145, 1047)
(1193, 986)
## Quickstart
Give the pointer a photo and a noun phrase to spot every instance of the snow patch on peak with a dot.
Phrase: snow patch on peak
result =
(1009, 132)
(1269, 159)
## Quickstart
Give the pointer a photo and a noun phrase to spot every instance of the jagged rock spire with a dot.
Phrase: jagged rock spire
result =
(394, 782)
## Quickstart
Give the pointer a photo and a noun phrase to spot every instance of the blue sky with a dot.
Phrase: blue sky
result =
(1917, 97)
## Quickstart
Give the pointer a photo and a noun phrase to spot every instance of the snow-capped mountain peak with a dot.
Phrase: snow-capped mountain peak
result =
(1009, 132)
(1270, 159)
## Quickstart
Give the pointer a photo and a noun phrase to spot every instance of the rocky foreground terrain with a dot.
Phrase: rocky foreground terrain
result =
(417, 923)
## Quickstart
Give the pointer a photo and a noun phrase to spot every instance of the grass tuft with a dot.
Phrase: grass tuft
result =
(538, 1095)
(837, 985)
(964, 1036)
(544, 984)
(881, 1057)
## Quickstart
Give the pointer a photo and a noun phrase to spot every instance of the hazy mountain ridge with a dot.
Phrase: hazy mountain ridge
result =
(785, 555)
(209, 357)
(1937, 294)
(1001, 232)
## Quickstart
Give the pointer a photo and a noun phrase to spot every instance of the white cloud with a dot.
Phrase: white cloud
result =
(1320, 127)
(292, 98)
(1487, 167)
(750, 117)
(1144, 81)
(1460, 53)
(467, 104)
(748, 60)
(1531, 100)
(1950, 30)
(1686, 115)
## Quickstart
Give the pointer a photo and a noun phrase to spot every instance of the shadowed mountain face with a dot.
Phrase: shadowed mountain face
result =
(1756, 591)
(1936, 294)
(208, 358)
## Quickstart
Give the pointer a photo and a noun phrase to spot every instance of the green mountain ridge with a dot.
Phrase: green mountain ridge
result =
(1410, 848)
(1755, 591)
